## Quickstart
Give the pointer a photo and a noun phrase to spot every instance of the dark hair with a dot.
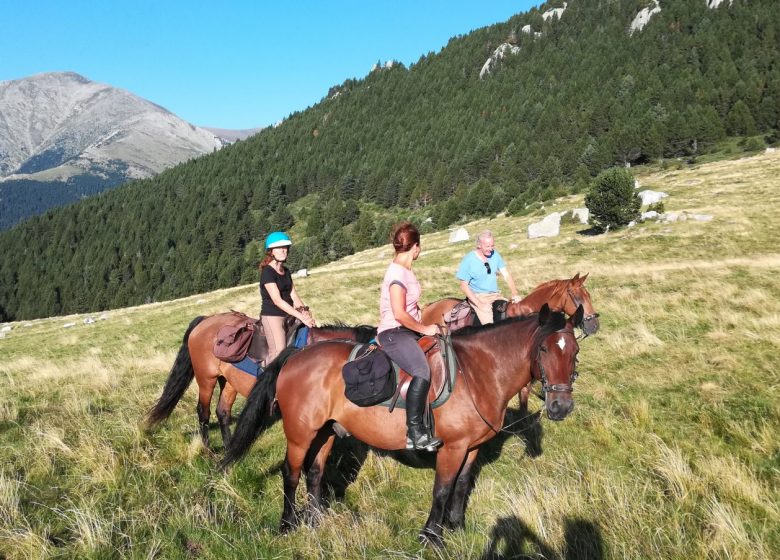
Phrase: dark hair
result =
(405, 236)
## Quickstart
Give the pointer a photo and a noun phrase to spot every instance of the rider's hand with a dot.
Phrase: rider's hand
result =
(307, 319)
(516, 298)
(430, 330)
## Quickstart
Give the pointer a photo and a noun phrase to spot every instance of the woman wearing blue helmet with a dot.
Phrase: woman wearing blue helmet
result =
(279, 298)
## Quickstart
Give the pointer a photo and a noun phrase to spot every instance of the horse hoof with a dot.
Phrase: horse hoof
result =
(286, 526)
(429, 537)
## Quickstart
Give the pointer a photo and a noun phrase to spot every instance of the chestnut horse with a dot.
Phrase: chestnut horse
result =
(495, 362)
(560, 295)
(196, 359)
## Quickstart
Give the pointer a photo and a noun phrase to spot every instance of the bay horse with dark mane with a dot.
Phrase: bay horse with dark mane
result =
(495, 362)
(196, 360)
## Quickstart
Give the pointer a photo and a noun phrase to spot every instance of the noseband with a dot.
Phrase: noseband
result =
(555, 387)
(577, 302)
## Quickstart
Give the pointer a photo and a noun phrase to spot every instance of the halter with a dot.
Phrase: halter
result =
(577, 302)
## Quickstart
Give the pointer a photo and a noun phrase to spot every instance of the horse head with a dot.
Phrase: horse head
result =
(556, 359)
(578, 296)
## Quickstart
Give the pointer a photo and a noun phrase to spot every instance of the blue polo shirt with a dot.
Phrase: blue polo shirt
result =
(473, 271)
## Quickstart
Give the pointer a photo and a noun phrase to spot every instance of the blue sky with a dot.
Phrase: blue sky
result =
(232, 64)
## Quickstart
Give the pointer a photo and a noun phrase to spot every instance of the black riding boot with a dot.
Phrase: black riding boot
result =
(418, 436)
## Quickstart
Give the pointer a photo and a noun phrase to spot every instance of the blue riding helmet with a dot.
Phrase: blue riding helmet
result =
(277, 239)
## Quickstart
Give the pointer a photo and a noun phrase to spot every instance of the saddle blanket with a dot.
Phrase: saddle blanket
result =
(249, 366)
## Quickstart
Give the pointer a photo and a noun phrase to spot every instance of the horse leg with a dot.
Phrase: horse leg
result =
(291, 472)
(455, 516)
(204, 408)
(227, 396)
(315, 470)
(448, 464)
(523, 398)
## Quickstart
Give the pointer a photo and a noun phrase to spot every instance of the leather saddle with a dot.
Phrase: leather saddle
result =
(443, 366)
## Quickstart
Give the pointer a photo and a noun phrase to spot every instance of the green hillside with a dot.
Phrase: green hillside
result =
(433, 140)
(671, 452)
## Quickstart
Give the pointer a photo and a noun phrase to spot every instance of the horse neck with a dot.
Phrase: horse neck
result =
(552, 293)
(330, 333)
(499, 358)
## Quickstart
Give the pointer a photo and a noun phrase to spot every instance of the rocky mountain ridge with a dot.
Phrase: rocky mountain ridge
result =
(61, 128)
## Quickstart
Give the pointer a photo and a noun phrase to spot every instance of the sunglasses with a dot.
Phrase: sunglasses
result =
(487, 267)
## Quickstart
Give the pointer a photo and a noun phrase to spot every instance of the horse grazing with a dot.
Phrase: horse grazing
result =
(495, 362)
(196, 359)
(560, 295)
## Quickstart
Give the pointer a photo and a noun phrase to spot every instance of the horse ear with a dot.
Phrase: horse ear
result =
(576, 277)
(576, 319)
(544, 314)
(582, 279)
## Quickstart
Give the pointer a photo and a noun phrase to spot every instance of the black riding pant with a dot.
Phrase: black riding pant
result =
(401, 345)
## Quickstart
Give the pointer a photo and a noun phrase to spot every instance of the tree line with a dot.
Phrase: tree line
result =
(429, 141)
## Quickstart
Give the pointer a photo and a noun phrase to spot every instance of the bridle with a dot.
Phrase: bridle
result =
(546, 387)
(577, 302)
(555, 387)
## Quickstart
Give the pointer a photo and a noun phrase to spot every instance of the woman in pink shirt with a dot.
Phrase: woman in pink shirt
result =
(400, 328)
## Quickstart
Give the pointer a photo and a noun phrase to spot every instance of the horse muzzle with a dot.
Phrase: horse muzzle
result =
(590, 324)
(559, 407)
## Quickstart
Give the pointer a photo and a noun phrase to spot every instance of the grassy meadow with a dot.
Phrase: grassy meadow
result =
(672, 450)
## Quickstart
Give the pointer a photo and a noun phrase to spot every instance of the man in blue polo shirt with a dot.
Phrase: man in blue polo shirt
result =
(478, 277)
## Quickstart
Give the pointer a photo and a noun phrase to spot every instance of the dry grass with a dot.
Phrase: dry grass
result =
(671, 452)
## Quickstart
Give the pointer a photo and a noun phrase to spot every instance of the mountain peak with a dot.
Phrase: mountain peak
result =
(63, 127)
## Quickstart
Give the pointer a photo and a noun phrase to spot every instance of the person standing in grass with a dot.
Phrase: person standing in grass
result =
(400, 328)
(478, 277)
(279, 298)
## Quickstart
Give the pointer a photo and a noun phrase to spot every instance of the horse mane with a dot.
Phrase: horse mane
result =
(558, 287)
(559, 316)
(363, 333)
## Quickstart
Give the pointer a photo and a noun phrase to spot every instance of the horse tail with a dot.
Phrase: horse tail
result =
(257, 415)
(178, 380)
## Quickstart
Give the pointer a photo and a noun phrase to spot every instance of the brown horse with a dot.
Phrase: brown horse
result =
(495, 362)
(560, 295)
(196, 360)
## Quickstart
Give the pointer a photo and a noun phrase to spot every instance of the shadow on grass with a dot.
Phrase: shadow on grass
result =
(349, 454)
(589, 232)
(511, 538)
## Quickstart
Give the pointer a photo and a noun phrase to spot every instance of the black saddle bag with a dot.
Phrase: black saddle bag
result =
(369, 377)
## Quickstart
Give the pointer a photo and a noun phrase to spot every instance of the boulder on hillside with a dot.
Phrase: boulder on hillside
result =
(582, 214)
(550, 226)
(651, 197)
(649, 215)
(497, 55)
(459, 234)
(6, 328)
(302, 273)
